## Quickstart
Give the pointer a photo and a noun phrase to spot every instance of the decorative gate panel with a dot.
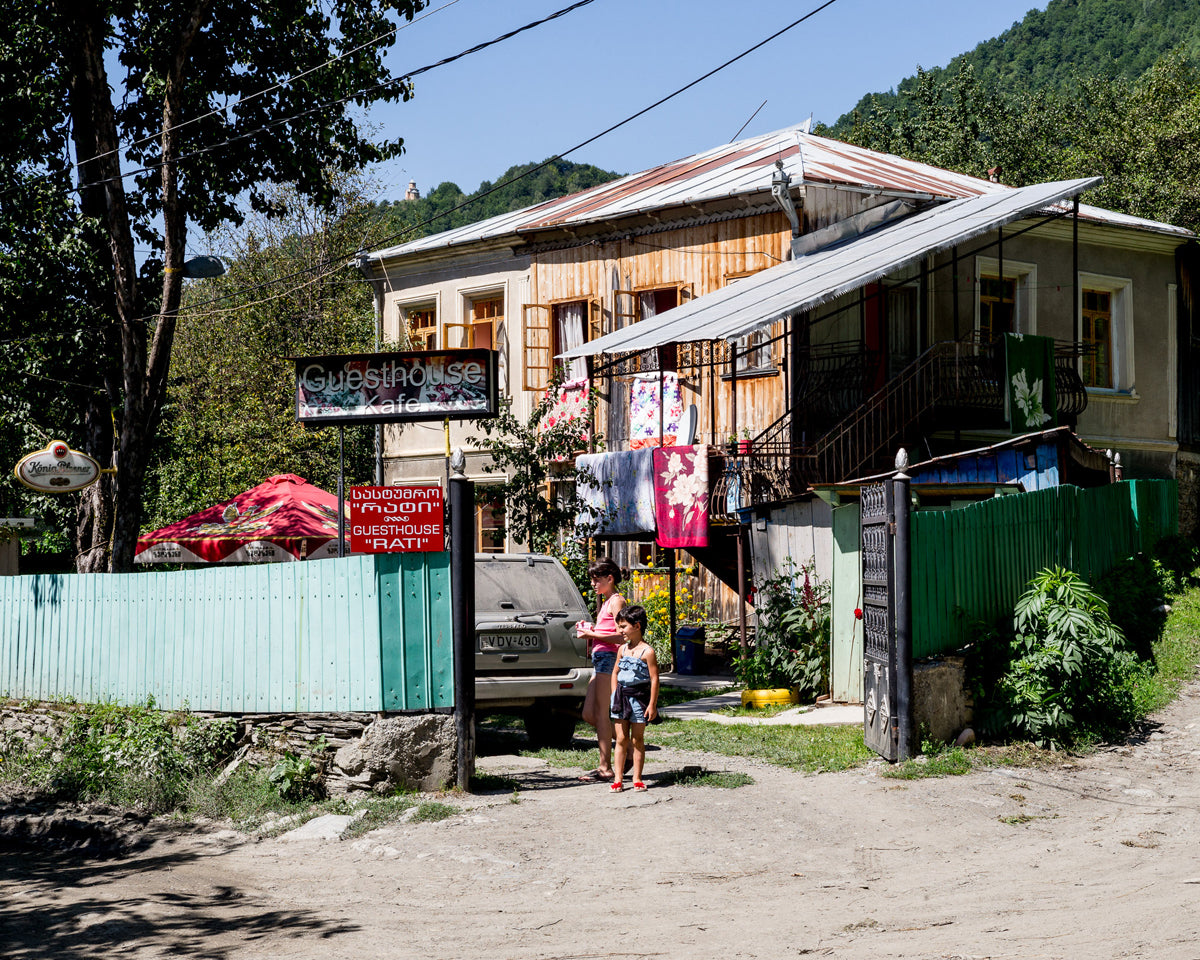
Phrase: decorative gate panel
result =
(879, 621)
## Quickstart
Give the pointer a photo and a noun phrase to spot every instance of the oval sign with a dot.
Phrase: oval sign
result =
(57, 469)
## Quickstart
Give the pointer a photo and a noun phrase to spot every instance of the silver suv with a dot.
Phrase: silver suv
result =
(528, 659)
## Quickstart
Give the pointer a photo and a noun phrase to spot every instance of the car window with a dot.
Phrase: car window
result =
(543, 586)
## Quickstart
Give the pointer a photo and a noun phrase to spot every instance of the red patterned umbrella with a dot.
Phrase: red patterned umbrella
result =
(284, 518)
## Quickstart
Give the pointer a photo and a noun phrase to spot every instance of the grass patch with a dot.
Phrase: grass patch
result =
(771, 710)
(671, 696)
(952, 762)
(406, 807)
(812, 749)
(699, 777)
(1176, 654)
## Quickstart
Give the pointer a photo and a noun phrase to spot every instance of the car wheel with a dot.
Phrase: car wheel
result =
(547, 727)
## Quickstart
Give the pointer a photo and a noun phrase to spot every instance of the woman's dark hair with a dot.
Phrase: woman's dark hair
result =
(605, 567)
(634, 614)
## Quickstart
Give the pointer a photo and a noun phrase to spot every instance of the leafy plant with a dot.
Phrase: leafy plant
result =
(296, 777)
(791, 642)
(649, 588)
(1064, 673)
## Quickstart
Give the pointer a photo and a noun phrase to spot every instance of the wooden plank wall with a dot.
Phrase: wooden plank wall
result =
(275, 638)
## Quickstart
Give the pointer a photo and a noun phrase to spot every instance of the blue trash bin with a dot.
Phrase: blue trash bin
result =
(689, 651)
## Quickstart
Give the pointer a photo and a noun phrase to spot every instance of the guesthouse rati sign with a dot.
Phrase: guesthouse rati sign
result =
(396, 519)
(397, 387)
(57, 469)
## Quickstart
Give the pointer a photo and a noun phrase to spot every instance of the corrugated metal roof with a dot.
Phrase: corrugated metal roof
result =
(760, 300)
(731, 171)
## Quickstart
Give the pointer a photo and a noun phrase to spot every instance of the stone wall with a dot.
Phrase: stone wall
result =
(380, 752)
(942, 708)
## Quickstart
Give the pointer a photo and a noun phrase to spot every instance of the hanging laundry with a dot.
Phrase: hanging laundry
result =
(681, 496)
(1030, 397)
(570, 408)
(616, 494)
(654, 417)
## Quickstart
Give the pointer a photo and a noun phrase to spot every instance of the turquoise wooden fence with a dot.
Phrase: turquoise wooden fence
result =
(972, 564)
(357, 633)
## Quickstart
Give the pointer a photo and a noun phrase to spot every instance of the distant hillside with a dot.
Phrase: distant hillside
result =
(1050, 49)
(436, 211)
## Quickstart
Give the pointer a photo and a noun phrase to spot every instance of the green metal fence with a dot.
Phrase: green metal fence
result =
(972, 564)
(357, 633)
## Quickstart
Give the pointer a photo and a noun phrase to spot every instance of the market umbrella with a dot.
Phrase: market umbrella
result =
(284, 518)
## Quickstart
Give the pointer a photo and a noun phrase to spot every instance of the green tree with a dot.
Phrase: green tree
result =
(202, 116)
(231, 400)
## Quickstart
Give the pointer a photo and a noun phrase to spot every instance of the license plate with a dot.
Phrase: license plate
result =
(510, 641)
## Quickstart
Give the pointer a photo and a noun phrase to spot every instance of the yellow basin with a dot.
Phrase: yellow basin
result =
(770, 698)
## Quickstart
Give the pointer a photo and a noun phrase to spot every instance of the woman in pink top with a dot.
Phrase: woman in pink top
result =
(604, 639)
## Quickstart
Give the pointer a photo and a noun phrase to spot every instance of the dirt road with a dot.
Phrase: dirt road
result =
(1097, 858)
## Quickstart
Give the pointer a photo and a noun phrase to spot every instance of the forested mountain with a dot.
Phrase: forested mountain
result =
(1051, 49)
(440, 209)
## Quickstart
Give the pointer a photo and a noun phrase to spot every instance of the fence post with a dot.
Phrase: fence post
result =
(462, 593)
(900, 507)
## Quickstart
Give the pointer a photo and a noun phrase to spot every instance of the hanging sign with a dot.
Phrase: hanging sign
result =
(396, 519)
(397, 387)
(57, 469)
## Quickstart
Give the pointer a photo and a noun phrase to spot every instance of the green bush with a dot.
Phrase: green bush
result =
(791, 640)
(1134, 590)
(1064, 673)
(133, 756)
(1178, 559)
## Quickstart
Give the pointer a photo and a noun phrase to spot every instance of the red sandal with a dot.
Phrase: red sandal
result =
(639, 786)
(616, 786)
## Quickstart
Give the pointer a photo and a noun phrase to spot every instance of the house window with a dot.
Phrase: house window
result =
(997, 307)
(480, 328)
(1096, 318)
(550, 329)
(1004, 304)
(489, 520)
(421, 321)
(1106, 332)
(754, 351)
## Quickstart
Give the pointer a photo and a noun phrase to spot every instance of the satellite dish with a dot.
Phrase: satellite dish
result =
(203, 268)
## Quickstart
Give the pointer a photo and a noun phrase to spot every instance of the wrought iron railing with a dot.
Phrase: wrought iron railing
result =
(955, 375)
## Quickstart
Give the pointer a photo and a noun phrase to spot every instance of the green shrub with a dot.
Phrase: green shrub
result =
(297, 777)
(1178, 559)
(791, 640)
(1134, 590)
(133, 756)
(1064, 673)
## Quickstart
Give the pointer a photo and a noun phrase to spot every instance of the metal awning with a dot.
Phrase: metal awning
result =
(770, 295)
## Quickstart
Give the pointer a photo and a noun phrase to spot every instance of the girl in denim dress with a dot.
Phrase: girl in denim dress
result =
(635, 700)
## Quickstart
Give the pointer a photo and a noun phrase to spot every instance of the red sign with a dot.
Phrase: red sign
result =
(396, 520)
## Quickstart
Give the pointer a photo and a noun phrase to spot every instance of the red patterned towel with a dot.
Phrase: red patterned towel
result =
(681, 496)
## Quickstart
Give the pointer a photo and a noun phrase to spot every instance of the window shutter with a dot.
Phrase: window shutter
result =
(537, 346)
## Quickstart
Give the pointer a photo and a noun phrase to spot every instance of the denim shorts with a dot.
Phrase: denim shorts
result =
(636, 709)
(605, 661)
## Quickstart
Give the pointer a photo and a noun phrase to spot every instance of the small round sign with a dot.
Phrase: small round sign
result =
(57, 469)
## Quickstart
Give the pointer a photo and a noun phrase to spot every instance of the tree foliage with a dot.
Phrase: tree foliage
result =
(230, 405)
(198, 117)
(437, 210)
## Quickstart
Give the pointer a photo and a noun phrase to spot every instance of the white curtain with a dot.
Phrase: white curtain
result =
(649, 307)
(570, 322)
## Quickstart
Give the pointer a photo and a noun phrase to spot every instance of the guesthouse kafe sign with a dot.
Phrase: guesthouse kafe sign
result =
(57, 469)
(397, 387)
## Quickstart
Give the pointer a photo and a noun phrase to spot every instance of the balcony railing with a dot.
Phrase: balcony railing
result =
(951, 382)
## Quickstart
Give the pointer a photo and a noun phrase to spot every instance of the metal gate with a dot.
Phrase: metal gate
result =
(887, 651)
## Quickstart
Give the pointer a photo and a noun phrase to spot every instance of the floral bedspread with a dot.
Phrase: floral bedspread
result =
(1031, 400)
(616, 492)
(681, 496)
(645, 405)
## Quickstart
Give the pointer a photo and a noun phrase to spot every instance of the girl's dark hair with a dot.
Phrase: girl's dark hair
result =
(634, 614)
(605, 567)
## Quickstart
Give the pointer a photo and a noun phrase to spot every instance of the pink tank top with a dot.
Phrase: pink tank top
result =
(606, 622)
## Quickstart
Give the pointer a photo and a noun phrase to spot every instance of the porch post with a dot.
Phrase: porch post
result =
(1076, 319)
(741, 575)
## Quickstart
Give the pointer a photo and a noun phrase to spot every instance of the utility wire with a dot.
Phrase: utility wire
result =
(263, 92)
(342, 259)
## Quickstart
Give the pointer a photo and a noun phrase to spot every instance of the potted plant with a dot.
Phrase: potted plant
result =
(790, 657)
(744, 445)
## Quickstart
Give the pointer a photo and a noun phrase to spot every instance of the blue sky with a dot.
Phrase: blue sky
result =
(552, 87)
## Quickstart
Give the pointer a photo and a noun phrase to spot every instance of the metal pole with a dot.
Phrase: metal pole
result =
(462, 598)
(1075, 271)
(341, 490)
(671, 605)
(903, 719)
(741, 574)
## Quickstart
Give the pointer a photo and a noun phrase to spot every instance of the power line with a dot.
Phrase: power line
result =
(263, 92)
(342, 258)
(329, 104)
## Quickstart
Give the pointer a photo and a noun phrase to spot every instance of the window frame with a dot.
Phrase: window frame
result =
(593, 328)
(497, 489)
(1024, 276)
(1120, 290)
(742, 347)
(421, 305)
